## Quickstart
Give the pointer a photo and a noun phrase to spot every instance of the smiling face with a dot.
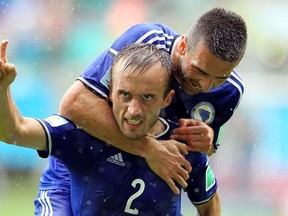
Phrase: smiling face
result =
(199, 70)
(205, 57)
(137, 98)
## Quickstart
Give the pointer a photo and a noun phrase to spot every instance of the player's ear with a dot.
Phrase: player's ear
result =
(168, 98)
(182, 45)
(110, 95)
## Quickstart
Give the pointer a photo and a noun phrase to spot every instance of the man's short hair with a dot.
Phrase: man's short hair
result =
(138, 58)
(223, 32)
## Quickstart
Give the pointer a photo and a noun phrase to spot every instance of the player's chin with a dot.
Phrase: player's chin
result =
(133, 136)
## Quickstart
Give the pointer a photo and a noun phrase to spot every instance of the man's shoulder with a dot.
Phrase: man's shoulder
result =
(57, 121)
(233, 86)
(236, 82)
(144, 30)
(57, 127)
(151, 26)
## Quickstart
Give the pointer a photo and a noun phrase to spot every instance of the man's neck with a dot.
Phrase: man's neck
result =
(157, 129)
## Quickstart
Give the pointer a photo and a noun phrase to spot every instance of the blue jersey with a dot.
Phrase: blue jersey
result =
(97, 74)
(108, 181)
(214, 107)
(55, 176)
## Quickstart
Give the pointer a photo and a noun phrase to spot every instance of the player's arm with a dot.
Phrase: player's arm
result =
(95, 116)
(211, 208)
(202, 180)
(190, 130)
(14, 128)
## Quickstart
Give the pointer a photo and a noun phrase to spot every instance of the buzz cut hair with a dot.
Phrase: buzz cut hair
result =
(223, 32)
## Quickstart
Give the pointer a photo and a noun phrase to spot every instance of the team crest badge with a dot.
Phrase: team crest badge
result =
(204, 112)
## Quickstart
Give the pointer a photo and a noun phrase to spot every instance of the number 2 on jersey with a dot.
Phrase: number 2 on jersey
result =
(128, 208)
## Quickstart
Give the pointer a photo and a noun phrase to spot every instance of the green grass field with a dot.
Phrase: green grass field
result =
(18, 193)
(19, 190)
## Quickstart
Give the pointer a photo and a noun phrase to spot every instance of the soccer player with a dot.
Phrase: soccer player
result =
(207, 92)
(106, 180)
(207, 88)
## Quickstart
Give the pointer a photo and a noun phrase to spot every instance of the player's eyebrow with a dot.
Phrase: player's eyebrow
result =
(204, 72)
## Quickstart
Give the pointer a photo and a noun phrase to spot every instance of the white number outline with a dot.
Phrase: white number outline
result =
(128, 208)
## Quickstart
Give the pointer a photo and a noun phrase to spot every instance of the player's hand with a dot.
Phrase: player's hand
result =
(7, 70)
(166, 160)
(198, 135)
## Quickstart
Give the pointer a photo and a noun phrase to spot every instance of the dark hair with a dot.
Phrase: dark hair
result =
(138, 58)
(223, 32)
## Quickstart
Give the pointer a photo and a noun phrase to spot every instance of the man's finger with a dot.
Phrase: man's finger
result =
(172, 186)
(180, 137)
(180, 181)
(183, 172)
(4, 44)
(186, 165)
(191, 138)
(189, 130)
(182, 123)
(188, 122)
(181, 147)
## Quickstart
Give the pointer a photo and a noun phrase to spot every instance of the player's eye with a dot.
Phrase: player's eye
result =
(147, 97)
(124, 94)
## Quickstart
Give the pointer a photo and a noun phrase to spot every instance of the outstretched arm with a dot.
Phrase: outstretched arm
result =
(14, 128)
(95, 116)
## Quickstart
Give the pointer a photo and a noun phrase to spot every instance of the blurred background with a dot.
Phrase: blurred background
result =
(51, 43)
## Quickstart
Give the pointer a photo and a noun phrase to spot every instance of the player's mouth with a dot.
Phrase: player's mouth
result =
(133, 122)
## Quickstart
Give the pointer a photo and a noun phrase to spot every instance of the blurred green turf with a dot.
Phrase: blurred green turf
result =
(18, 191)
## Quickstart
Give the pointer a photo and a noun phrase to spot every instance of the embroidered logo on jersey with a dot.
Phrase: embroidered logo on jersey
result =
(204, 112)
(56, 121)
(210, 178)
(116, 159)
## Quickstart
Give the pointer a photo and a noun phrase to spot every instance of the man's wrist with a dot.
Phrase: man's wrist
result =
(146, 146)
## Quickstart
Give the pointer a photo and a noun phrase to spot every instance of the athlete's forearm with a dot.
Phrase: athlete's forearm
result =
(211, 208)
(9, 116)
(95, 116)
(16, 129)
